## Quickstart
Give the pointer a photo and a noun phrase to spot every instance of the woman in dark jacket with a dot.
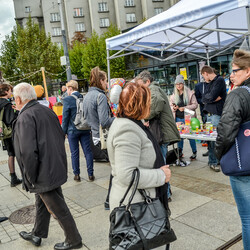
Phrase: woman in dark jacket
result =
(9, 116)
(236, 111)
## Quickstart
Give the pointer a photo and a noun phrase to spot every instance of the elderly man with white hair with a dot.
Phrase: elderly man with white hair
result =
(40, 152)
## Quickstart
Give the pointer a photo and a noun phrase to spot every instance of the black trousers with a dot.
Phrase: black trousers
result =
(53, 203)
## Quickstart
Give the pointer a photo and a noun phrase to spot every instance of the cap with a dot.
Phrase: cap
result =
(179, 79)
(39, 90)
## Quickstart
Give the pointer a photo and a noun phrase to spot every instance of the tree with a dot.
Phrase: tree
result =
(36, 50)
(94, 54)
(9, 55)
(78, 37)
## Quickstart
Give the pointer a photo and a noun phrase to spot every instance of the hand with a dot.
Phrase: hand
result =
(146, 124)
(181, 109)
(167, 172)
(14, 107)
(217, 99)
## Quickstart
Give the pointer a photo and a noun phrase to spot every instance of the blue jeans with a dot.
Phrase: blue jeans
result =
(241, 190)
(212, 160)
(84, 138)
(164, 151)
(191, 141)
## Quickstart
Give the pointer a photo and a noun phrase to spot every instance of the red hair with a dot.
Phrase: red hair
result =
(135, 101)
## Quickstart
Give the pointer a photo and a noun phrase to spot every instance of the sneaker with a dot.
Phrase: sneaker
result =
(215, 168)
(205, 154)
(193, 156)
(106, 205)
(77, 178)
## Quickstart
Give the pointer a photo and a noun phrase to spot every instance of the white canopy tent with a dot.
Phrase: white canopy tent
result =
(196, 27)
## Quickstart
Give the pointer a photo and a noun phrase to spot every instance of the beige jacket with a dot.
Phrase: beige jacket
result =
(192, 102)
(130, 148)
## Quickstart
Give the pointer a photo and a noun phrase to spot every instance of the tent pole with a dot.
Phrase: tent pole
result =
(248, 23)
(208, 62)
(108, 65)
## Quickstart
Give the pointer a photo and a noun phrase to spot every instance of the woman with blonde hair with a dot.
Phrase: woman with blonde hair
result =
(236, 111)
(183, 98)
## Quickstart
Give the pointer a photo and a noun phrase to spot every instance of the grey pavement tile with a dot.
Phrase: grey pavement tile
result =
(87, 195)
(189, 238)
(184, 201)
(214, 218)
(3, 181)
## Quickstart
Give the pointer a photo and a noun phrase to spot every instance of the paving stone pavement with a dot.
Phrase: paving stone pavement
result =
(204, 215)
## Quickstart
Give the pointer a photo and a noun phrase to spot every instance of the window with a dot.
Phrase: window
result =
(158, 0)
(78, 12)
(80, 27)
(131, 18)
(158, 11)
(104, 22)
(27, 9)
(54, 17)
(129, 3)
(57, 31)
(103, 6)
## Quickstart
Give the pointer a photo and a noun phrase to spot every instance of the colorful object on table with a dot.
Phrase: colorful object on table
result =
(194, 123)
(187, 119)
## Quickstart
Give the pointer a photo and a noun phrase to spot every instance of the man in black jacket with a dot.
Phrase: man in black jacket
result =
(213, 99)
(40, 152)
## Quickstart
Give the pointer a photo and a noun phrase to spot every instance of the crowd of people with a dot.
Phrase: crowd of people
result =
(128, 111)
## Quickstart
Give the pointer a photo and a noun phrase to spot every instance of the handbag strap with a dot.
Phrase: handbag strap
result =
(136, 173)
(236, 140)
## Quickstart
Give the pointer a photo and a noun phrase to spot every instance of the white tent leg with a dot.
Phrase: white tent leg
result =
(108, 65)
(248, 23)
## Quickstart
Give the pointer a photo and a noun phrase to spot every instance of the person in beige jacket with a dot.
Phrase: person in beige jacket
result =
(183, 98)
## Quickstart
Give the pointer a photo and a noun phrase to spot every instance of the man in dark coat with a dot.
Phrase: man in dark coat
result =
(40, 152)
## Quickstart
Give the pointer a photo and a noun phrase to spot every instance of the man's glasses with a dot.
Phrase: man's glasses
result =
(235, 70)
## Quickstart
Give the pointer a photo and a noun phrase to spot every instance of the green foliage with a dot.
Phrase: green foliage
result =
(9, 55)
(75, 57)
(28, 49)
(95, 54)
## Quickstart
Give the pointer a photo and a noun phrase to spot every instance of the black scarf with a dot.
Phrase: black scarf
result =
(161, 191)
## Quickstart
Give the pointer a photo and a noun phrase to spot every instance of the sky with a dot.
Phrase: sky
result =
(7, 21)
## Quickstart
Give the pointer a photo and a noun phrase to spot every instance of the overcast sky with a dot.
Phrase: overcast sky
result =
(7, 15)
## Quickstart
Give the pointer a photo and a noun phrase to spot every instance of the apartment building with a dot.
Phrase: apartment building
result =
(87, 15)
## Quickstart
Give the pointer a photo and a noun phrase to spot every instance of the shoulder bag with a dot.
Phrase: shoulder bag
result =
(236, 161)
(139, 226)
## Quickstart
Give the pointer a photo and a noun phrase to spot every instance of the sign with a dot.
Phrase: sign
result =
(63, 60)
(183, 71)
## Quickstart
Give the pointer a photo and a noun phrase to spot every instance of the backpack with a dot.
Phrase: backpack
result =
(80, 122)
(5, 131)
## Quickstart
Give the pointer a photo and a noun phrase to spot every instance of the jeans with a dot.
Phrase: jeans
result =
(191, 141)
(241, 190)
(164, 151)
(84, 138)
(212, 160)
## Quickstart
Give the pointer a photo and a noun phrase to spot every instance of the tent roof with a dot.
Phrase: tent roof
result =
(189, 26)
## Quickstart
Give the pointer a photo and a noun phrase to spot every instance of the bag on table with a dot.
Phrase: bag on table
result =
(142, 225)
(236, 161)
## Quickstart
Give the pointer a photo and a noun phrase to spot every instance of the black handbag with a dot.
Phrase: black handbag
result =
(155, 129)
(139, 226)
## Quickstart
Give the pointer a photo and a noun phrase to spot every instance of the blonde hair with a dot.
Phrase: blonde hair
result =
(73, 84)
(185, 95)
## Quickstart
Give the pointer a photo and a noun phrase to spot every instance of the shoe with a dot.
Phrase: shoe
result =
(214, 167)
(205, 154)
(204, 145)
(14, 180)
(35, 240)
(193, 156)
(3, 219)
(106, 205)
(77, 178)
(91, 178)
(169, 199)
(66, 245)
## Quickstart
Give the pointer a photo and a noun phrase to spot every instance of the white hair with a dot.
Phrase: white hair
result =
(25, 91)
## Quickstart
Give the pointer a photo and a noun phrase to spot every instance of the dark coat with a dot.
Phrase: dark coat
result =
(235, 112)
(214, 89)
(199, 90)
(69, 114)
(39, 147)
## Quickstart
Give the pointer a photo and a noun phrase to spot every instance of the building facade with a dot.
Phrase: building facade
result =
(87, 15)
